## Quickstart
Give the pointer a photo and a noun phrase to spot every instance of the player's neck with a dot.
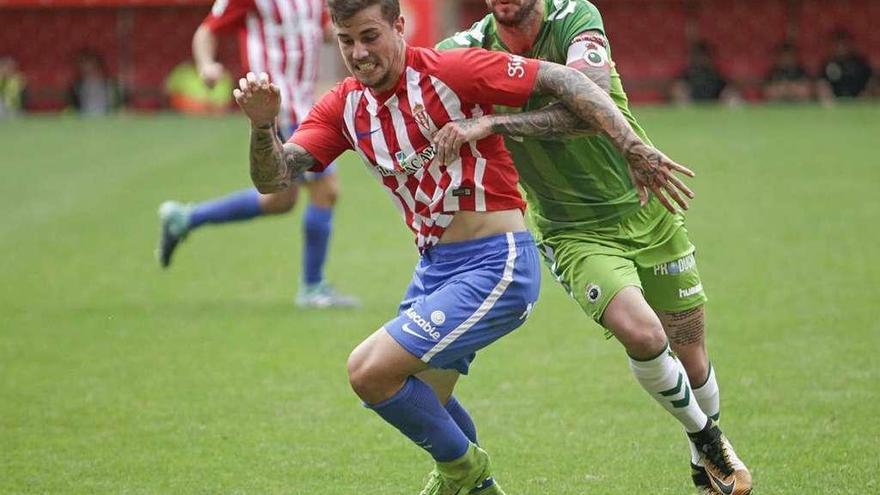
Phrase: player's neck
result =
(520, 38)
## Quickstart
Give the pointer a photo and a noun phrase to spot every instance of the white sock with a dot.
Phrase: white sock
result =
(709, 400)
(665, 379)
(708, 396)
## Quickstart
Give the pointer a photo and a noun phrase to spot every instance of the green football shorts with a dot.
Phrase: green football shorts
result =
(649, 249)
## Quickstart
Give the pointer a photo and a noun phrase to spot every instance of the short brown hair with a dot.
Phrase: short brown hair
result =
(341, 10)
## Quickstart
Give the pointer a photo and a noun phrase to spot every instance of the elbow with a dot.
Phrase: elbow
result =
(268, 188)
(267, 185)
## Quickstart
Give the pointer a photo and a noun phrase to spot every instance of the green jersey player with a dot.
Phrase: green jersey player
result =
(625, 259)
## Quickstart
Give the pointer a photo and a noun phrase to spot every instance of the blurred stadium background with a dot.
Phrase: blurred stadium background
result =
(117, 377)
(142, 40)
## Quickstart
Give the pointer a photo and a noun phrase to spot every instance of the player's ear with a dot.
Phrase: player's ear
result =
(399, 25)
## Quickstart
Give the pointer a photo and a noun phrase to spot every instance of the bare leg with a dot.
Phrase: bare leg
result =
(687, 337)
(630, 319)
(323, 191)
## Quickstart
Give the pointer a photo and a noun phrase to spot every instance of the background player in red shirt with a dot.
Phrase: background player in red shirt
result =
(282, 38)
(478, 276)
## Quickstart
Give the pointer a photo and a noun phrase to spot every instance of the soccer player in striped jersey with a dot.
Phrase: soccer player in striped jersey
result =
(630, 266)
(478, 275)
(282, 38)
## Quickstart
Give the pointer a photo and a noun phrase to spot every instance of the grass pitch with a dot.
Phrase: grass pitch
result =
(117, 377)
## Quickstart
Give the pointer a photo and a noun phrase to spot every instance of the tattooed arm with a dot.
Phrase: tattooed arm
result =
(274, 165)
(586, 53)
(650, 169)
(588, 102)
(582, 99)
(554, 121)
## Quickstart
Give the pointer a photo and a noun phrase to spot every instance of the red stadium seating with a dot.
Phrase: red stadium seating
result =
(139, 46)
(819, 19)
(649, 39)
(744, 36)
(649, 48)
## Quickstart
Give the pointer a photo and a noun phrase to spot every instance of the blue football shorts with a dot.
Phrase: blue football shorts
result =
(285, 134)
(465, 295)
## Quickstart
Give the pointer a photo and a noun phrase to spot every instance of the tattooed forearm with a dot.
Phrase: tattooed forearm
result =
(600, 76)
(274, 165)
(685, 327)
(552, 121)
(268, 172)
(589, 102)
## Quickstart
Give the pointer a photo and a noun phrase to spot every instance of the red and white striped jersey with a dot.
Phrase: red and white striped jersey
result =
(280, 37)
(392, 133)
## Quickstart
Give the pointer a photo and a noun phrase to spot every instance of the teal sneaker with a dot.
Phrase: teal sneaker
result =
(324, 296)
(174, 217)
(470, 475)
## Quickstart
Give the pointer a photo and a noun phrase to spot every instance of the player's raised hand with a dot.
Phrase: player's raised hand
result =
(454, 135)
(258, 98)
(653, 171)
(211, 73)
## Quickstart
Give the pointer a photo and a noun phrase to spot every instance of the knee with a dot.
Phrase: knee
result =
(369, 378)
(324, 191)
(642, 338)
(359, 372)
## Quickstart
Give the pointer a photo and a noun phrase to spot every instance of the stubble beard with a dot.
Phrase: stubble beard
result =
(525, 11)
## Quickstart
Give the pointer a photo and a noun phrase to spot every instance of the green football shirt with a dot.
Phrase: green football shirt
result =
(582, 182)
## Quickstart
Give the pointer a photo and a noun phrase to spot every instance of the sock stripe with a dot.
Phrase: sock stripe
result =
(676, 389)
(678, 404)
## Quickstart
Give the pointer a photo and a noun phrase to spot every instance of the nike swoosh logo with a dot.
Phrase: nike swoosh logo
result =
(361, 135)
(726, 489)
(408, 330)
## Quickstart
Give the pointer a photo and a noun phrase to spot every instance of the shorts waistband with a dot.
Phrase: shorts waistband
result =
(467, 249)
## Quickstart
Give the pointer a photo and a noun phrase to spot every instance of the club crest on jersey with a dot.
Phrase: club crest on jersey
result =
(593, 293)
(423, 119)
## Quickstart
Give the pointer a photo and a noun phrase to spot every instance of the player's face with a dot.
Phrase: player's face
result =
(511, 12)
(373, 49)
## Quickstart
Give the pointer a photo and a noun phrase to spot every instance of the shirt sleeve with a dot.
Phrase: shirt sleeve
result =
(321, 132)
(228, 15)
(488, 77)
(578, 17)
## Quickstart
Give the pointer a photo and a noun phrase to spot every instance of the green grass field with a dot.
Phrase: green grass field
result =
(117, 377)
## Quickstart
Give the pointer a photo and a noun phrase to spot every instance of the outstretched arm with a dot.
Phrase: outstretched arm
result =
(204, 47)
(588, 54)
(274, 165)
(650, 169)
(554, 121)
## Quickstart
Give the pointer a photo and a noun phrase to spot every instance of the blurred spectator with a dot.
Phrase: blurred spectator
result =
(787, 79)
(187, 92)
(93, 91)
(12, 86)
(847, 72)
(701, 81)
